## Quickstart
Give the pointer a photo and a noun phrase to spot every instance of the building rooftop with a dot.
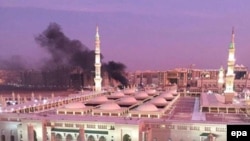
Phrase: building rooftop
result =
(178, 109)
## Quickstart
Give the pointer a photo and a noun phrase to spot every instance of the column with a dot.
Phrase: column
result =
(18, 99)
(32, 96)
(53, 137)
(30, 133)
(13, 96)
(82, 134)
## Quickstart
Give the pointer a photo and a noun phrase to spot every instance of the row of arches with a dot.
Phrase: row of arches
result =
(3, 138)
(69, 137)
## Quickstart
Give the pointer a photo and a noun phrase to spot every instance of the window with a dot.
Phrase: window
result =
(61, 112)
(3, 137)
(220, 129)
(70, 113)
(79, 125)
(102, 126)
(134, 115)
(58, 124)
(78, 113)
(195, 128)
(12, 138)
(207, 128)
(163, 126)
(68, 125)
(90, 126)
(144, 115)
(114, 114)
(171, 126)
(182, 127)
(153, 116)
(105, 114)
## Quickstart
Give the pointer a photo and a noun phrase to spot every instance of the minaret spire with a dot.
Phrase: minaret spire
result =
(98, 78)
(97, 32)
(229, 90)
(232, 35)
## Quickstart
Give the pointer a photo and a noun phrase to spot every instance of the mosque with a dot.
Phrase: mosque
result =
(126, 115)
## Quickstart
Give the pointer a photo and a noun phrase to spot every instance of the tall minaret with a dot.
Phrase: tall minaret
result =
(230, 71)
(221, 80)
(98, 78)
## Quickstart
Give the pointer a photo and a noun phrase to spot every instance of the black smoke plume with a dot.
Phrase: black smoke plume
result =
(116, 71)
(72, 53)
(15, 62)
(64, 51)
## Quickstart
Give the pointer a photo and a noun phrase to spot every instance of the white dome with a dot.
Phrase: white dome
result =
(110, 106)
(147, 107)
(141, 95)
(158, 101)
(167, 96)
(129, 91)
(77, 105)
(151, 91)
(99, 99)
(128, 99)
(117, 94)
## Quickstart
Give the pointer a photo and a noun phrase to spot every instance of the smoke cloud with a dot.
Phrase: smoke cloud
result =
(15, 62)
(72, 53)
(66, 55)
(116, 70)
(64, 51)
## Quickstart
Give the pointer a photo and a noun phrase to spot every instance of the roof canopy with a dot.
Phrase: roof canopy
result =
(147, 107)
(77, 105)
(110, 106)
(128, 99)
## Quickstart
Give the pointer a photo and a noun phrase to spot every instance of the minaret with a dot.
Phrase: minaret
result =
(221, 80)
(221, 76)
(229, 91)
(98, 78)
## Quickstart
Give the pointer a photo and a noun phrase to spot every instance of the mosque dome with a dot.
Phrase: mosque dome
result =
(77, 105)
(128, 100)
(117, 94)
(158, 101)
(99, 99)
(110, 106)
(141, 95)
(147, 107)
(151, 91)
(129, 91)
(167, 96)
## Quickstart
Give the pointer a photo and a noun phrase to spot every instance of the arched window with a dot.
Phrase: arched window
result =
(12, 138)
(102, 138)
(35, 136)
(3, 138)
(58, 137)
(126, 137)
(69, 137)
(79, 138)
(91, 138)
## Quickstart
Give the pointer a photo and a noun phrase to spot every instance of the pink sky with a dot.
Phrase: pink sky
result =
(142, 34)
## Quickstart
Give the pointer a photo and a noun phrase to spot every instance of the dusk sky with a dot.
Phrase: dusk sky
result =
(142, 34)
